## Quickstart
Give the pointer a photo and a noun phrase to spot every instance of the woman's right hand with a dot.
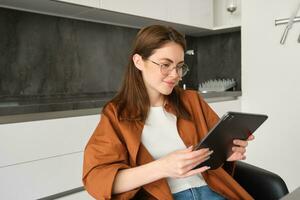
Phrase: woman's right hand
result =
(180, 163)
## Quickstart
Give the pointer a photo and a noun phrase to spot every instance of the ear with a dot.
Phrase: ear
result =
(138, 61)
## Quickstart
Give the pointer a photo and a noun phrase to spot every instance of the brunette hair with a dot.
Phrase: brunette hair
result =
(132, 100)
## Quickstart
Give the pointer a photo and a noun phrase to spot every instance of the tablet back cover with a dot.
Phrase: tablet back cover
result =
(233, 125)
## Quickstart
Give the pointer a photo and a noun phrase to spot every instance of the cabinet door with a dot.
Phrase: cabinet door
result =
(65, 8)
(224, 106)
(197, 13)
(225, 19)
(155, 9)
(88, 3)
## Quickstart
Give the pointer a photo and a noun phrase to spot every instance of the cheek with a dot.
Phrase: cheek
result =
(152, 76)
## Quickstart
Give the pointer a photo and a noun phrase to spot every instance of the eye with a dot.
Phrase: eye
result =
(180, 66)
(165, 65)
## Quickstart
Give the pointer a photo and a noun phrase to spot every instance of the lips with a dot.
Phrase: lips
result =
(170, 83)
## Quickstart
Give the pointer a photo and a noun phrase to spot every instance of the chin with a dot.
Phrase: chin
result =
(166, 91)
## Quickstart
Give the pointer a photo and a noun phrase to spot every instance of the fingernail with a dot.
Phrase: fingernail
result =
(207, 167)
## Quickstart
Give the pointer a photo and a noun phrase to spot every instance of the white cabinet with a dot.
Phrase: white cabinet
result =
(41, 178)
(196, 13)
(224, 106)
(88, 3)
(187, 16)
(64, 8)
(155, 9)
(224, 19)
(42, 158)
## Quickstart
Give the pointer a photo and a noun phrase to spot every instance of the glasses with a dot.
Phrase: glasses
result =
(166, 69)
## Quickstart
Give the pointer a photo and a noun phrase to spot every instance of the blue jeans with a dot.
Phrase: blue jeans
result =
(198, 193)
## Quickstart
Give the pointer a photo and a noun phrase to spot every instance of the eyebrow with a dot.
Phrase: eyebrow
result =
(171, 61)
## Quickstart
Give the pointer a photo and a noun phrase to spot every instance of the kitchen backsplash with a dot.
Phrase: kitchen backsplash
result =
(54, 58)
(46, 55)
(215, 57)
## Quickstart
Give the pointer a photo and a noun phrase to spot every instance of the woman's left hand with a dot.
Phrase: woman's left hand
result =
(239, 149)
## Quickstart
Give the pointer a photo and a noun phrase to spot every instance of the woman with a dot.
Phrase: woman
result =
(143, 146)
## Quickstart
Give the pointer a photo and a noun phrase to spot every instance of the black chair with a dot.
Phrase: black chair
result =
(260, 183)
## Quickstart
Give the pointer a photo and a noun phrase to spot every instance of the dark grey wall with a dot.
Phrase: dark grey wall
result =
(50, 63)
(49, 56)
(216, 56)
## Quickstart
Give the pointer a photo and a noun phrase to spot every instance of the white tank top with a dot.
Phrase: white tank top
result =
(160, 137)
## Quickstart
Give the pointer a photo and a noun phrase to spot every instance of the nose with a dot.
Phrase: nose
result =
(174, 73)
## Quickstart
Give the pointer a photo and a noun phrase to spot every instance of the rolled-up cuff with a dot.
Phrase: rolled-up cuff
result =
(99, 182)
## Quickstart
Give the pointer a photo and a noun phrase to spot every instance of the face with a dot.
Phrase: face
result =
(156, 82)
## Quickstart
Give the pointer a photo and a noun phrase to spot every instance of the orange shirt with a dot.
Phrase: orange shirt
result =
(117, 145)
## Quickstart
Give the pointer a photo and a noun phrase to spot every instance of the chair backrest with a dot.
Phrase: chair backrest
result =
(260, 183)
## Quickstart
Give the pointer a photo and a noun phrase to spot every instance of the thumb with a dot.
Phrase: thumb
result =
(190, 148)
(187, 150)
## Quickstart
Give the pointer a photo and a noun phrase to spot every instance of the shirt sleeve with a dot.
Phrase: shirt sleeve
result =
(209, 114)
(104, 156)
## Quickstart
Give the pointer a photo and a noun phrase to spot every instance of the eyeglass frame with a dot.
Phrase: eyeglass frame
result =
(170, 70)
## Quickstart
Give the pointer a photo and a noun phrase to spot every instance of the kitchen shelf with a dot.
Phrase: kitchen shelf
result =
(12, 112)
(221, 96)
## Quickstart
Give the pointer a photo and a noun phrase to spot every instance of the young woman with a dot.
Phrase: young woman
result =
(142, 147)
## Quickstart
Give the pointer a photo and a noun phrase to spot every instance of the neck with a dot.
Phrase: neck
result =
(156, 100)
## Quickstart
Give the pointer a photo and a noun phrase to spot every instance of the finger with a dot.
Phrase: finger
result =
(241, 157)
(189, 149)
(196, 171)
(186, 158)
(197, 159)
(198, 162)
(241, 143)
(241, 150)
(250, 138)
(190, 164)
(236, 156)
(193, 163)
(195, 154)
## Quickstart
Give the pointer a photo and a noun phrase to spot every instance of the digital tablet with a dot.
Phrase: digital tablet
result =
(232, 125)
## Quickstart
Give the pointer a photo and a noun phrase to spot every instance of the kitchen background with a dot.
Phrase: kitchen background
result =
(47, 61)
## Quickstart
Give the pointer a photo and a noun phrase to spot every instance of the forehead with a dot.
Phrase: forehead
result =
(170, 50)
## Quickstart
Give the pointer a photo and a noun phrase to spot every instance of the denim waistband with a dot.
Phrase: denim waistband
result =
(198, 193)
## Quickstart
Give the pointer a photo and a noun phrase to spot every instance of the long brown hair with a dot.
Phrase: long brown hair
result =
(132, 100)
